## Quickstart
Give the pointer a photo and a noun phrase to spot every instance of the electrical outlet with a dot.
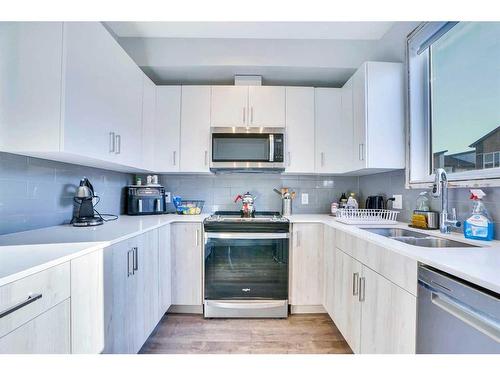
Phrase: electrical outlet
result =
(398, 202)
(304, 198)
(168, 197)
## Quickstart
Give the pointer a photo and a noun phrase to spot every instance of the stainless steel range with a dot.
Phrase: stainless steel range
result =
(246, 265)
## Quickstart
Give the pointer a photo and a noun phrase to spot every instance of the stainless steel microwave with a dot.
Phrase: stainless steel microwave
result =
(247, 149)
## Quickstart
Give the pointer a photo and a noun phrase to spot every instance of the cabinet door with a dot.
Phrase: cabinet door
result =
(119, 298)
(148, 124)
(388, 318)
(48, 333)
(30, 86)
(90, 108)
(307, 265)
(266, 106)
(329, 265)
(165, 270)
(146, 275)
(195, 128)
(346, 306)
(87, 304)
(329, 129)
(359, 119)
(299, 130)
(167, 133)
(343, 150)
(229, 106)
(186, 264)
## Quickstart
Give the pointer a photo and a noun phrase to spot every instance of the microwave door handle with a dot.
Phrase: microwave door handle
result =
(271, 147)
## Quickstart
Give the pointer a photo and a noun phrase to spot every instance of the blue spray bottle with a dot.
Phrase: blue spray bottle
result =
(479, 225)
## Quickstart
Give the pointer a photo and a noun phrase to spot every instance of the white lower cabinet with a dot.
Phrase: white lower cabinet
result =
(165, 270)
(186, 264)
(373, 314)
(346, 307)
(48, 333)
(131, 292)
(306, 287)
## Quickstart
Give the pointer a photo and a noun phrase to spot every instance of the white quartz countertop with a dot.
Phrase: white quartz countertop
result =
(25, 253)
(478, 265)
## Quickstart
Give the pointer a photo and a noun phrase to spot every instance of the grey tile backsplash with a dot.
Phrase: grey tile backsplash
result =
(390, 183)
(37, 193)
(219, 191)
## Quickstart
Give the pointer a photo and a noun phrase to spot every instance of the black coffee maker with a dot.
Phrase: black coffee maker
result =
(84, 212)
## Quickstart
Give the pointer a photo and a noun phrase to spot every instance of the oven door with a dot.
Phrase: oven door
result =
(246, 266)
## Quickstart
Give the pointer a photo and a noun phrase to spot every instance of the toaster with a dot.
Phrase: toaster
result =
(146, 200)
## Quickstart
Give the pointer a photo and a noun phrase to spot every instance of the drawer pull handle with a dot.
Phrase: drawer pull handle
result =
(32, 298)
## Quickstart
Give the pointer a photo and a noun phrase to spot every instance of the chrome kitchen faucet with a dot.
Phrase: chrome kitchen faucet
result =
(440, 189)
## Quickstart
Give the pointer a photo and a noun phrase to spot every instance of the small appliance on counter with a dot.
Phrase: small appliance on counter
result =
(146, 200)
(375, 202)
(84, 212)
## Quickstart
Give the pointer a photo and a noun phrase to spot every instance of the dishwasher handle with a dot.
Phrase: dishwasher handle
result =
(480, 322)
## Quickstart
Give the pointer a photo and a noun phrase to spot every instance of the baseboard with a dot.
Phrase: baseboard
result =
(307, 309)
(186, 309)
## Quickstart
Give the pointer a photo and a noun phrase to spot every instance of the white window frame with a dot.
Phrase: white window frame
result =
(418, 150)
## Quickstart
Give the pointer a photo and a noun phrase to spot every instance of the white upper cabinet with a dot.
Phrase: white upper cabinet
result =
(299, 141)
(378, 117)
(103, 96)
(249, 106)
(148, 123)
(167, 133)
(230, 106)
(343, 149)
(329, 130)
(266, 105)
(30, 85)
(195, 129)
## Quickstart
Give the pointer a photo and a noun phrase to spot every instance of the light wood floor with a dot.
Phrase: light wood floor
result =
(299, 334)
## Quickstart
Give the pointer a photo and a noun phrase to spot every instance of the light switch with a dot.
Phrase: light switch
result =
(398, 202)
(304, 198)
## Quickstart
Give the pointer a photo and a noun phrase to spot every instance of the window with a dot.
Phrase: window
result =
(454, 97)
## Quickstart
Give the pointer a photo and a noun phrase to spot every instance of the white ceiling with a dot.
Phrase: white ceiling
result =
(283, 53)
(253, 30)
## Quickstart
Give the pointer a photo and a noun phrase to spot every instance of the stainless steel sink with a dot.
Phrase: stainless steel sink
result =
(416, 238)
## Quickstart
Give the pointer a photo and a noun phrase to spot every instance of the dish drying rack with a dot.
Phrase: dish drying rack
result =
(366, 216)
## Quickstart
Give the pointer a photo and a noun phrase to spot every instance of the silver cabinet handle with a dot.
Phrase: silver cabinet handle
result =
(361, 151)
(135, 251)
(174, 157)
(197, 239)
(322, 159)
(112, 143)
(206, 157)
(362, 287)
(355, 283)
(251, 115)
(244, 115)
(297, 236)
(289, 158)
(467, 315)
(130, 262)
(118, 144)
(31, 298)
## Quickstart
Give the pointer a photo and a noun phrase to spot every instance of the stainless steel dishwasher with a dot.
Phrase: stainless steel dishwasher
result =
(455, 316)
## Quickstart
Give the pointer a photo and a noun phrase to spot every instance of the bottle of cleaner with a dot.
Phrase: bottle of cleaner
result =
(479, 225)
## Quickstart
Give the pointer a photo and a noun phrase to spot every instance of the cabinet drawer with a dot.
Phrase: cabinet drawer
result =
(48, 333)
(25, 299)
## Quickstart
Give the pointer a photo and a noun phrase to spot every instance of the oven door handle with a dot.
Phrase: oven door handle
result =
(247, 305)
(271, 147)
(247, 236)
